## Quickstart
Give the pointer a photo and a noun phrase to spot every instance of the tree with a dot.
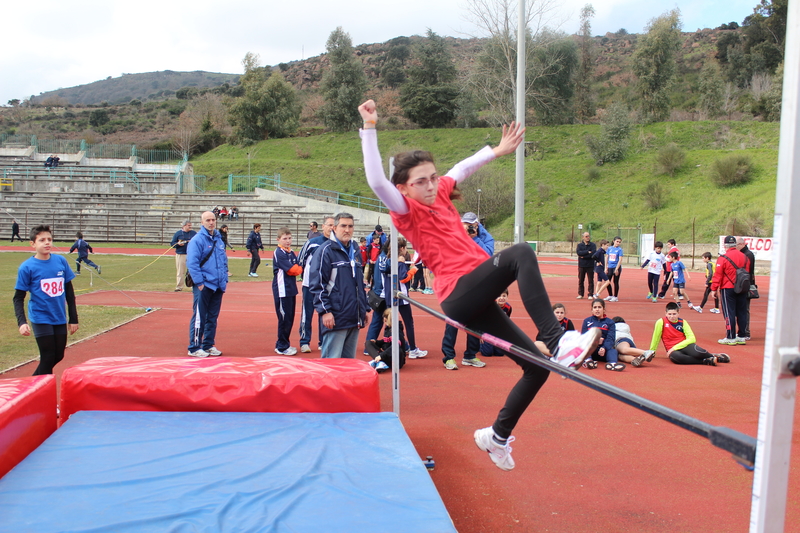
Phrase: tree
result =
(268, 107)
(343, 85)
(654, 64)
(584, 98)
(613, 142)
(493, 78)
(98, 117)
(711, 90)
(14, 102)
(429, 96)
(553, 70)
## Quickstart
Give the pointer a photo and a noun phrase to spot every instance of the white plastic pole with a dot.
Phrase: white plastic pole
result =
(395, 315)
(519, 197)
(778, 386)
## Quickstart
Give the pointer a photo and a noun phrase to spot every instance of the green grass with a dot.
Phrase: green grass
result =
(614, 199)
(126, 273)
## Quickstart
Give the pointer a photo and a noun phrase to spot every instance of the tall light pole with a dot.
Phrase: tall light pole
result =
(519, 190)
(479, 205)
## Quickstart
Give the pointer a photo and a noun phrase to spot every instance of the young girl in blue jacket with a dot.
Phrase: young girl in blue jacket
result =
(608, 332)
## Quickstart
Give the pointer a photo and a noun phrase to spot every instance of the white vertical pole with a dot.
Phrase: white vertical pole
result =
(519, 197)
(393, 287)
(778, 386)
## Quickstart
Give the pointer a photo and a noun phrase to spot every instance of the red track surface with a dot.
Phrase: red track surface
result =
(584, 462)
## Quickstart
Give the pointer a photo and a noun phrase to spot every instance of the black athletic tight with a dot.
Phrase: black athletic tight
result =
(52, 342)
(472, 303)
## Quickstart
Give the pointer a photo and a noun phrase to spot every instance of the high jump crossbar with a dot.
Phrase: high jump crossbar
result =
(742, 446)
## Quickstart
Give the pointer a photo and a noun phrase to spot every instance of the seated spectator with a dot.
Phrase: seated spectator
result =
(380, 350)
(680, 342)
(223, 213)
(48, 162)
(234, 214)
(215, 211)
(608, 334)
(625, 346)
(56, 161)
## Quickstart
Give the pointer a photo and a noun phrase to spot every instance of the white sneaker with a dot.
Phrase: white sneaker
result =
(614, 299)
(698, 308)
(305, 348)
(288, 351)
(416, 353)
(253, 275)
(500, 455)
(715, 311)
(728, 342)
(214, 352)
(609, 299)
(573, 347)
(199, 353)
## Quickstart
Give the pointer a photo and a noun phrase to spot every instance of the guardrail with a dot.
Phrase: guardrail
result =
(237, 184)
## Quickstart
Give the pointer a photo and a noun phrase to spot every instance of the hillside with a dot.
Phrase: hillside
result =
(560, 191)
(143, 87)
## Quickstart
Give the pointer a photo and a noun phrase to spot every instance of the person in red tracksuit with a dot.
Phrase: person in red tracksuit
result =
(733, 304)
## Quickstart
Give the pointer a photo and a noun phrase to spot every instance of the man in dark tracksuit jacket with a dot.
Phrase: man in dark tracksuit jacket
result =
(585, 251)
(337, 286)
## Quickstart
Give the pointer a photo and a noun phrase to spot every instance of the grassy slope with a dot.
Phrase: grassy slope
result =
(334, 162)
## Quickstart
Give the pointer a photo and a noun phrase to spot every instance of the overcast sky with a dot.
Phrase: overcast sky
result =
(52, 44)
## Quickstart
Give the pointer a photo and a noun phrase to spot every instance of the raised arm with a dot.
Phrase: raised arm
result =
(512, 137)
(376, 178)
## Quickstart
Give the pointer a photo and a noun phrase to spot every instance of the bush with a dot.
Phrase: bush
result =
(613, 141)
(593, 173)
(669, 159)
(731, 170)
(655, 195)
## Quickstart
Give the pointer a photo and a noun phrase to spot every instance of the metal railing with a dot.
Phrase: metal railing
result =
(238, 184)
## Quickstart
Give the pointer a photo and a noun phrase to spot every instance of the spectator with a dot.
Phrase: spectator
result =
(600, 257)
(485, 242)
(337, 284)
(680, 342)
(488, 350)
(223, 232)
(380, 350)
(742, 247)
(404, 277)
(654, 260)
(84, 249)
(668, 268)
(312, 230)
(223, 213)
(614, 269)
(709, 266)
(253, 245)
(626, 348)
(179, 241)
(733, 304)
(234, 214)
(304, 260)
(284, 290)
(608, 335)
(585, 251)
(15, 230)
(379, 232)
(208, 267)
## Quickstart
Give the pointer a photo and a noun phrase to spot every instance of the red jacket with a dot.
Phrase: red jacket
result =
(725, 273)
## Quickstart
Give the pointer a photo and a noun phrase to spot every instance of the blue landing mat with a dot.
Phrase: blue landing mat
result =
(240, 472)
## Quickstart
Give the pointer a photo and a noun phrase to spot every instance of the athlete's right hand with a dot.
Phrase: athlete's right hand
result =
(369, 111)
(25, 330)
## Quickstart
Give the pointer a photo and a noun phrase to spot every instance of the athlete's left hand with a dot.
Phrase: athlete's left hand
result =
(512, 137)
(72, 328)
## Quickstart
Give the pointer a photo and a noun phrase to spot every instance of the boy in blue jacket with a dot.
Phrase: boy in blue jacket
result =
(84, 249)
(285, 270)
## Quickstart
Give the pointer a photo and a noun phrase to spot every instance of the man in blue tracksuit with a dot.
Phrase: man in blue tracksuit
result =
(210, 280)
(304, 260)
(337, 286)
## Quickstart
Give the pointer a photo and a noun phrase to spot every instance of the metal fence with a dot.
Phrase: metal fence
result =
(99, 151)
(239, 184)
